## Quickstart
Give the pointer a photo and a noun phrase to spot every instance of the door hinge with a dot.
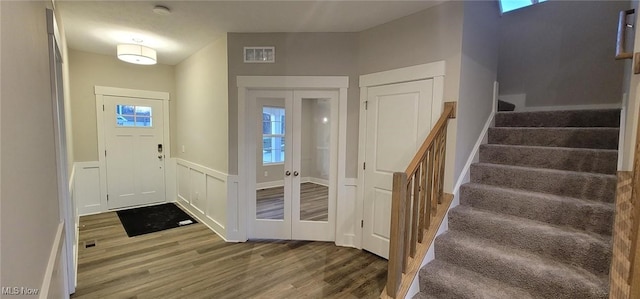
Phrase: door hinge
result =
(364, 166)
(102, 107)
(366, 105)
(105, 153)
(107, 197)
(361, 223)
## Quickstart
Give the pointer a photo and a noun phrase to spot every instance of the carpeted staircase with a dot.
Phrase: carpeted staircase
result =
(535, 221)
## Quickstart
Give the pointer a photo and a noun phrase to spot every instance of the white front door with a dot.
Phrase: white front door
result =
(135, 151)
(398, 119)
(296, 163)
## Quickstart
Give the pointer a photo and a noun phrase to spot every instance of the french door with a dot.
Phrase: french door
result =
(296, 164)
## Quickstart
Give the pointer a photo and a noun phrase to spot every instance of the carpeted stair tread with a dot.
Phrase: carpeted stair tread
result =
(562, 158)
(578, 248)
(443, 280)
(567, 118)
(597, 138)
(593, 216)
(542, 277)
(590, 186)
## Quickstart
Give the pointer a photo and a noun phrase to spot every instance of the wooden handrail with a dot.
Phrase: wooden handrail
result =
(621, 38)
(418, 206)
(449, 112)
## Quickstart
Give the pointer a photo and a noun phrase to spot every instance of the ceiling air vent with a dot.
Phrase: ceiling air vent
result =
(259, 54)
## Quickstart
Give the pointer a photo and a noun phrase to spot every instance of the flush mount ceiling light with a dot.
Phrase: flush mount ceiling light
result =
(162, 10)
(136, 54)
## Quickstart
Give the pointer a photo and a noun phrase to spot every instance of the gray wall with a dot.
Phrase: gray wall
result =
(431, 35)
(297, 54)
(28, 188)
(561, 53)
(477, 75)
(201, 108)
(88, 70)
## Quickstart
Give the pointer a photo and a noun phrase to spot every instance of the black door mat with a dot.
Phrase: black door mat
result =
(140, 221)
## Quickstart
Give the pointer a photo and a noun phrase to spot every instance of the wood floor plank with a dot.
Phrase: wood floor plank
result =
(193, 262)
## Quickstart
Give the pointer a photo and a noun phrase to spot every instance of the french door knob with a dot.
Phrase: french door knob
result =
(295, 173)
(287, 173)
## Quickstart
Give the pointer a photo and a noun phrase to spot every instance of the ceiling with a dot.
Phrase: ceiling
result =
(98, 26)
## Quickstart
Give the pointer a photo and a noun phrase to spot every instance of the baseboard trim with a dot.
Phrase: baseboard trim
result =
(267, 185)
(53, 266)
(473, 157)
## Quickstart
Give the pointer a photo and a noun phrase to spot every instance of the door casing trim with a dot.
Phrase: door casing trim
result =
(246, 83)
(433, 70)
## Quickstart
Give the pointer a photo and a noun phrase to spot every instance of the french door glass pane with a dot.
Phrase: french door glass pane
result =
(315, 139)
(270, 169)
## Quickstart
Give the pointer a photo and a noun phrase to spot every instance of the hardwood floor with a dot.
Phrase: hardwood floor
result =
(314, 202)
(193, 262)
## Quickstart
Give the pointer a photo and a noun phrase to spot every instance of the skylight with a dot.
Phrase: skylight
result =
(509, 5)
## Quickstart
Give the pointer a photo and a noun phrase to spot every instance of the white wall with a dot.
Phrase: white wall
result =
(88, 70)
(29, 208)
(561, 53)
(202, 119)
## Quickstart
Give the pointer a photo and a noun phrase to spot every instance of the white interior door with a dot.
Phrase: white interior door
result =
(398, 119)
(296, 163)
(134, 151)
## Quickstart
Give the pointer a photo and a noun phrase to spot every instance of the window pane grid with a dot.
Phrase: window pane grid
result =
(134, 116)
(273, 135)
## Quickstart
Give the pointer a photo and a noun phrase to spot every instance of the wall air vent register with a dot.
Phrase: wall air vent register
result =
(259, 54)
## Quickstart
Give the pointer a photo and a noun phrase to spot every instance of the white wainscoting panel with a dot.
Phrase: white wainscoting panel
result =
(235, 231)
(198, 187)
(203, 192)
(87, 188)
(171, 188)
(348, 224)
(182, 176)
(216, 201)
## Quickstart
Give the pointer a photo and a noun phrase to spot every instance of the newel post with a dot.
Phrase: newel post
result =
(396, 246)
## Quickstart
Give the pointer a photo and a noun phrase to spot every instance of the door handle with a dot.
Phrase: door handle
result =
(295, 173)
(287, 173)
